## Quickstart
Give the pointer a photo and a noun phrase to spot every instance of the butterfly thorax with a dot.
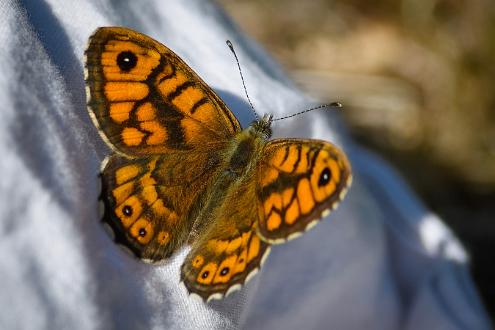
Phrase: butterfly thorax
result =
(246, 148)
(241, 157)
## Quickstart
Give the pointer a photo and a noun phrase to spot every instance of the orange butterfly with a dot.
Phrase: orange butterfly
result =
(184, 172)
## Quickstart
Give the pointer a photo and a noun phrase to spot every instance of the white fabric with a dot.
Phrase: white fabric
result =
(381, 261)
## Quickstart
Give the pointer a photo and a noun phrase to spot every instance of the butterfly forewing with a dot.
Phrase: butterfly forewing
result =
(146, 100)
(299, 181)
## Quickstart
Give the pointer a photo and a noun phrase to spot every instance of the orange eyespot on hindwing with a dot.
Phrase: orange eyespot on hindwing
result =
(142, 230)
(207, 273)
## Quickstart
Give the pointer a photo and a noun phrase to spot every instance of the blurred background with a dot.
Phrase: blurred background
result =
(417, 81)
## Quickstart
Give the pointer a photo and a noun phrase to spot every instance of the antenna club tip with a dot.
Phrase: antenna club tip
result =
(329, 105)
(229, 43)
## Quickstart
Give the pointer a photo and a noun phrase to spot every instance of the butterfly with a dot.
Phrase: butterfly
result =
(183, 172)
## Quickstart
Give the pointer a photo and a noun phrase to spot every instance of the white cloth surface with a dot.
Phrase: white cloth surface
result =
(381, 261)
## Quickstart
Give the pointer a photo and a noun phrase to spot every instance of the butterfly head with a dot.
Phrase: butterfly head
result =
(263, 126)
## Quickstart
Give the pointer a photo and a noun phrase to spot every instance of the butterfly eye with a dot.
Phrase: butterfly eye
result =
(224, 271)
(126, 61)
(127, 210)
(324, 177)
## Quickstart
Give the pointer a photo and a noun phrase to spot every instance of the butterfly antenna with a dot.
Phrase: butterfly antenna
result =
(242, 77)
(337, 105)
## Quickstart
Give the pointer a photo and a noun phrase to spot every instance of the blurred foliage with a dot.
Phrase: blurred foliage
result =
(416, 78)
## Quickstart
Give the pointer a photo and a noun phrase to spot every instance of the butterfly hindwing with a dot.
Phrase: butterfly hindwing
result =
(299, 181)
(151, 202)
(146, 100)
(229, 251)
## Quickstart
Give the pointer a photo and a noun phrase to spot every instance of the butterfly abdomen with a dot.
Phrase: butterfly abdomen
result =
(238, 167)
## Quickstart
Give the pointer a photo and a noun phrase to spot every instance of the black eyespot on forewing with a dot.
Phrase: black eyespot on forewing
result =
(205, 274)
(325, 177)
(126, 61)
(142, 232)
